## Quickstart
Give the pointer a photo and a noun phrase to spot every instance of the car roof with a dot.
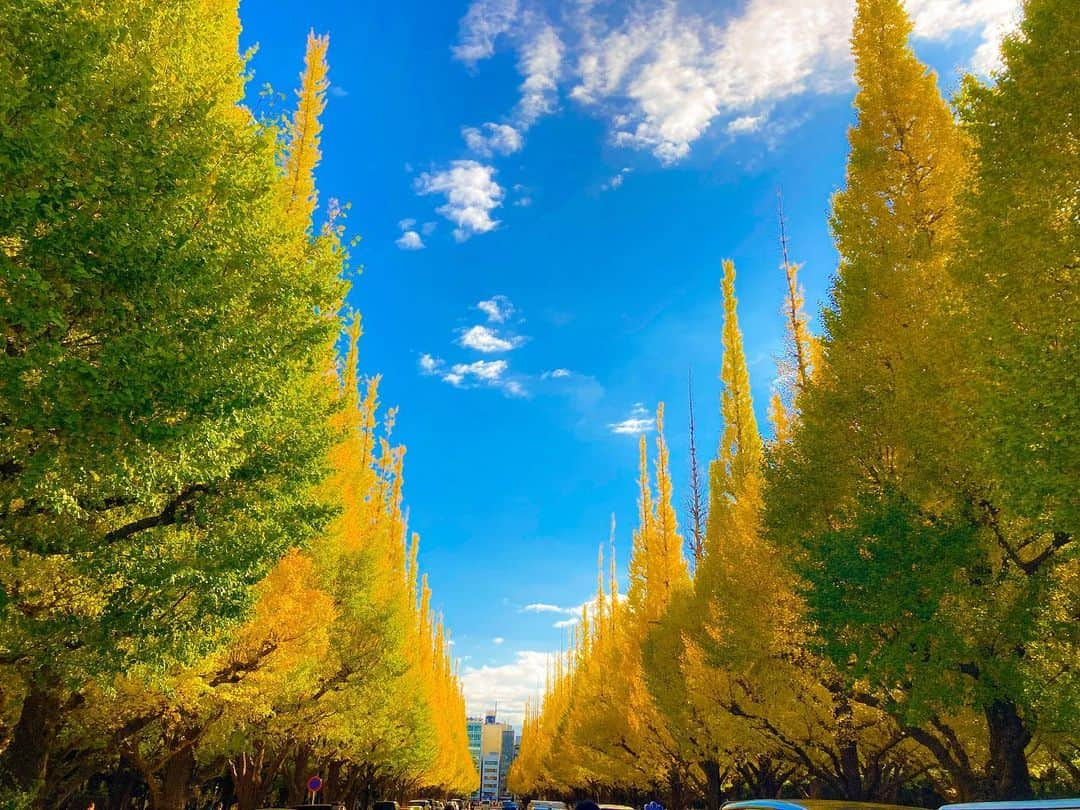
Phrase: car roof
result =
(807, 804)
(1018, 804)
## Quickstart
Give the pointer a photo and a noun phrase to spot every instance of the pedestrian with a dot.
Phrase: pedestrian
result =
(91, 806)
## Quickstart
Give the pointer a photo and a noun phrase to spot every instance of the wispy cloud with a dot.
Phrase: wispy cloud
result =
(471, 195)
(572, 613)
(488, 340)
(639, 421)
(485, 339)
(489, 371)
(541, 59)
(616, 181)
(498, 640)
(556, 374)
(497, 308)
(430, 365)
(661, 75)
(745, 124)
(483, 22)
(501, 139)
(409, 239)
(940, 19)
(484, 373)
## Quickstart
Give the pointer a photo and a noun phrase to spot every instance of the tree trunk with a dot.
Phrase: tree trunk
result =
(247, 779)
(850, 771)
(711, 768)
(122, 785)
(176, 781)
(1007, 769)
(675, 788)
(252, 776)
(332, 781)
(298, 782)
(23, 764)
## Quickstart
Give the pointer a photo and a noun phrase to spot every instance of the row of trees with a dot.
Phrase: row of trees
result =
(882, 601)
(205, 574)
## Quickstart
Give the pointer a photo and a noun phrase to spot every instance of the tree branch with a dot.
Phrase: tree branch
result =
(169, 515)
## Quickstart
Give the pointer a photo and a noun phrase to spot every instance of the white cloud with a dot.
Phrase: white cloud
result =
(497, 308)
(500, 139)
(430, 365)
(616, 181)
(485, 370)
(482, 373)
(428, 228)
(938, 19)
(498, 640)
(572, 613)
(513, 388)
(482, 24)
(745, 124)
(410, 240)
(487, 340)
(637, 422)
(556, 374)
(508, 685)
(541, 58)
(661, 75)
(486, 373)
(471, 195)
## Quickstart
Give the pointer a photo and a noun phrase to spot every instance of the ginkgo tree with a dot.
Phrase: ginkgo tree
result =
(163, 424)
(884, 602)
(205, 570)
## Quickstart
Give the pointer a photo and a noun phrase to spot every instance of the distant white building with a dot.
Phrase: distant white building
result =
(489, 776)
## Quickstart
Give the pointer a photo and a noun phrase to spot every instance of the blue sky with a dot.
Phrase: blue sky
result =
(544, 192)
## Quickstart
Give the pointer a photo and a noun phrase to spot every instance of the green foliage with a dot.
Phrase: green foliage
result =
(889, 592)
(1017, 270)
(162, 431)
(886, 590)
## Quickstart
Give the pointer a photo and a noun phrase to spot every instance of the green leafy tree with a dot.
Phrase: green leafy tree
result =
(1016, 301)
(909, 573)
(167, 327)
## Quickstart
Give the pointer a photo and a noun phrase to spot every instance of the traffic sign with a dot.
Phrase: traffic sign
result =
(314, 784)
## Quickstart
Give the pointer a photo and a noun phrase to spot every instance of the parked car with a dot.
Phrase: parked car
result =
(544, 804)
(422, 803)
(810, 804)
(386, 805)
(615, 807)
(1040, 804)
